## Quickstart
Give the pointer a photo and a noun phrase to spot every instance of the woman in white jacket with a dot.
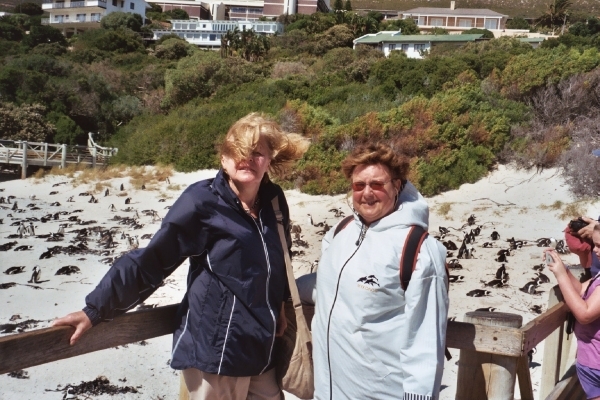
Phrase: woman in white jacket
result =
(372, 339)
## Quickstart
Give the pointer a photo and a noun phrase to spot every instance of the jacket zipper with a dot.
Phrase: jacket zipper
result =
(267, 292)
(363, 233)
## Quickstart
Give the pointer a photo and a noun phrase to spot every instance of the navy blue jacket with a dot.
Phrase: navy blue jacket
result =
(235, 286)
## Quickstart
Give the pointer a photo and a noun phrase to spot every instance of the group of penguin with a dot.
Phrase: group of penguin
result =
(501, 277)
(105, 238)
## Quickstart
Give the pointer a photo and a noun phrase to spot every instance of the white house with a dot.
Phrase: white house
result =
(206, 33)
(455, 19)
(72, 16)
(414, 46)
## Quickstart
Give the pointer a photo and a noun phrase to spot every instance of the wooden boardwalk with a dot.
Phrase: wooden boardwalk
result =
(24, 154)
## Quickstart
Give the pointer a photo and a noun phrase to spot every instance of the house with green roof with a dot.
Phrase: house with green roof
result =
(414, 46)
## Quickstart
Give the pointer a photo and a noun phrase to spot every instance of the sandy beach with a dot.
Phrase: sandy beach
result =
(516, 204)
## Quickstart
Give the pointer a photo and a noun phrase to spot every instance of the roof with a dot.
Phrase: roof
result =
(457, 11)
(398, 38)
(532, 39)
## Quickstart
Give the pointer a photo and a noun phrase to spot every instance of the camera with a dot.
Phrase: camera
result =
(577, 224)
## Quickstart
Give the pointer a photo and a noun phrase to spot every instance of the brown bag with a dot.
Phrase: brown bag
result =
(293, 351)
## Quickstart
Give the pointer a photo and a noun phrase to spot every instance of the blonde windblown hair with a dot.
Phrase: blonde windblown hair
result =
(243, 136)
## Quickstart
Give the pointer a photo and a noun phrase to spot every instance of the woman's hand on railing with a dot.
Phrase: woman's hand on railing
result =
(79, 320)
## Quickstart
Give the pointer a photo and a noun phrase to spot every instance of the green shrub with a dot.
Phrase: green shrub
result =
(119, 20)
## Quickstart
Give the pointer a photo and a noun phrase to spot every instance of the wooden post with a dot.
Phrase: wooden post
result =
(558, 356)
(524, 377)
(24, 161)
(63, 160)
(93, 157)
(487, 376)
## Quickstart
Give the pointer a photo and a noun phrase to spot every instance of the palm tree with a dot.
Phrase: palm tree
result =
(555, 15)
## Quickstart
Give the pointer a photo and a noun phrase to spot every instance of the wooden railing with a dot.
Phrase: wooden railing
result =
(25, 153)
(492, 355)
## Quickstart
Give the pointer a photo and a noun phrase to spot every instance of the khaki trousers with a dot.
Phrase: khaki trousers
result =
(205, 386)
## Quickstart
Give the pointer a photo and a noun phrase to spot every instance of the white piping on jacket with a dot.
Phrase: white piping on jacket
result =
(182, 333)
(267, 292)
(226, 335)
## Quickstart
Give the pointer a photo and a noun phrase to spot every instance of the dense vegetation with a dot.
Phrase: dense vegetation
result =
(454, 113)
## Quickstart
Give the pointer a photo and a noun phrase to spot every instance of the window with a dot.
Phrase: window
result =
(122, 4)
(95, 17)
(196, 36)
(421, 21)
(192, 27)
(491, 24)
(184, 26)
(405, 47)
(392, 47)
(177, 26)
(80, 17)
(189, 35)
(131, 6)
(204, 36)
(419, 47)
(114, 3)
(437, 22)
(465, 23)
(204, 25)
(212, 37)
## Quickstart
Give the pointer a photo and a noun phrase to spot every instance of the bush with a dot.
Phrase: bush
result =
(43, 34)
(487, 34)
(25, 122)
(173, 49)
(121, 20)
(518, 23)
(117, 41)
(67, 131)
(10, 32)
(176, 13)
(29, 9)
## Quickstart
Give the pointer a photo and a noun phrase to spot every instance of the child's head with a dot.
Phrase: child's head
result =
(596, 239)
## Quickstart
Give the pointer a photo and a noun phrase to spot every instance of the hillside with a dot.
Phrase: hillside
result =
(513, 8)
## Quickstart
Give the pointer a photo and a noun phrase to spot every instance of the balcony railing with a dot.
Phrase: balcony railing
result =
(50, 4)
(47, 21)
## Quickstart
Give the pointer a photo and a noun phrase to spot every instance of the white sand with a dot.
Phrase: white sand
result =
(508, 201)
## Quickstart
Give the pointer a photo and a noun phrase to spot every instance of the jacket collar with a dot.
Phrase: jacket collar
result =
(266, 192)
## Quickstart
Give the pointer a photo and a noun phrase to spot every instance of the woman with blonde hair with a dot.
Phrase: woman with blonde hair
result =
(378, 333)
(226, 227)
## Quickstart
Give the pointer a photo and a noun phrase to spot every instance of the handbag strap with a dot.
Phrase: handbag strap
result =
(302, 325)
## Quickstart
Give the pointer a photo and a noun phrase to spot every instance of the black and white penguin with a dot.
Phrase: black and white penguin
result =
(478, 293)
(501, 272)
(122, 187)
(529, 288)
(487, 309)
(456, 278)
(36, 275)
(542, 278)
(495, 236)
(15, 270)
(106, 192)
(128, 200)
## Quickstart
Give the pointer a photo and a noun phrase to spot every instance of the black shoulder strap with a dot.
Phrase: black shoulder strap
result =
(343, 223)
(408, 261)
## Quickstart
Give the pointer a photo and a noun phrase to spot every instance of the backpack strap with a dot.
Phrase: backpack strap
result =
(343, 223)
(408, 261)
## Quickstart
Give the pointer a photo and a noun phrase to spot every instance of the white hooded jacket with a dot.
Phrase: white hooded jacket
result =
(372, 340)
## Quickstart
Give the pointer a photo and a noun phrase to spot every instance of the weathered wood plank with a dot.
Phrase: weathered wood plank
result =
(552, 348)
(524, 377)
(51, 344)
(486, 339)
(541, 327)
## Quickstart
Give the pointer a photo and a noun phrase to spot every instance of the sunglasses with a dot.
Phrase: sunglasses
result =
(374, 185)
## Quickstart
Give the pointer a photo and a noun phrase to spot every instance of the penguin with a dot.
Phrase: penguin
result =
(539, 267)
(487, 309)
(15, 207)
(529, 288)
(478, 293)
(15, 270)
(106, 192)
(310, 220)
(536, 309)
(128, 200)
(68, 270)
(454, 264)
(471, 220)
(143, 186)
(122, 187)
(52, 193)
(501, 272)
(488, 245)
(497, 283)
(443, 230)
(456, 278)
(36, 275)
(450, 245)
(70, 200)
(495, 236)
(541, 278)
